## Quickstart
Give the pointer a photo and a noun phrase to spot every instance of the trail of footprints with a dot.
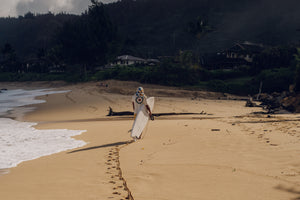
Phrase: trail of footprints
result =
(119, 185)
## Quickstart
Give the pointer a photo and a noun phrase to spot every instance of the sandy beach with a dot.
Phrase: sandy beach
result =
(226, 151)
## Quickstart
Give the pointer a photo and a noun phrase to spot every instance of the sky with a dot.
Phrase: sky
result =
(15, 8)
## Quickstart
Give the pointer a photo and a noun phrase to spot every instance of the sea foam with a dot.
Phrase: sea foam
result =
(19, 141)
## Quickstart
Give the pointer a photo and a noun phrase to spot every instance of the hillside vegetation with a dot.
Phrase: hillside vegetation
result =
(189, 38)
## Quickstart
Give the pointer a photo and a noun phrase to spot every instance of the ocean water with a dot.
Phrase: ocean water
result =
(19, 141)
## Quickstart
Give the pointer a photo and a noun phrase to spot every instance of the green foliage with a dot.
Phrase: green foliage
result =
(75, 46)
(85, 40)
(275, 80)
(217, 85)
(224, 74)
(274, 57)
(9, 76)
(241, 86)
(32, 32)
(9, 59)
(125, 73)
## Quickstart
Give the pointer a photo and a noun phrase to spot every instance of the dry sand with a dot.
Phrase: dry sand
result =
(224, 153)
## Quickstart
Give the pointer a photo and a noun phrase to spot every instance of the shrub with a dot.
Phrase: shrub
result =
(275, 80)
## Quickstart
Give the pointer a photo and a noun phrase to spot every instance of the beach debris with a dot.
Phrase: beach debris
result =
(215, 129)
(280, 103)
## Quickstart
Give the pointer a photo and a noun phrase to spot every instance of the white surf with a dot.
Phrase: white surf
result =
(20, 141)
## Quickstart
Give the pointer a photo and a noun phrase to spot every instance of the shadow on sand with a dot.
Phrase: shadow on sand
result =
(290, 190)
(103, 146)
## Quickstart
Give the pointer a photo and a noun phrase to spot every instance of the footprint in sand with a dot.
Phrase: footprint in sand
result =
(69, 98)
(119, 185)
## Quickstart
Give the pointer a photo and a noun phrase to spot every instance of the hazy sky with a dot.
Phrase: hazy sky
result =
(20, 7)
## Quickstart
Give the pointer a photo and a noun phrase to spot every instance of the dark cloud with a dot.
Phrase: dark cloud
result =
(270, 22)
(44, 6)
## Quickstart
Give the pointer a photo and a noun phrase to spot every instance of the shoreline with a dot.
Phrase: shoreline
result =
(48, 123)
(227, 154)
(20, 140)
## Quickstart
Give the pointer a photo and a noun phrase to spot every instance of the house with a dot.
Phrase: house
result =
(245, 51)
(238, 55)
(127, 60)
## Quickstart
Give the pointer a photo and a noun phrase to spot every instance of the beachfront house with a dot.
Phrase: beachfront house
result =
(245, 51)
(240, 54)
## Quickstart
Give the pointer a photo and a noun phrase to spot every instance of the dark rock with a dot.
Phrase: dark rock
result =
(291, 103)
(280, 102)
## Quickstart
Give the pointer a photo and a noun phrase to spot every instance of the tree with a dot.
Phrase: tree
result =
(7, 49)
(9, 58)
(29, 15)
(85, 40)
(297, 74)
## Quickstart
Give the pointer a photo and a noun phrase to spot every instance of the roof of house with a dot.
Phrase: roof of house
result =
(131, 58)
(247, 47)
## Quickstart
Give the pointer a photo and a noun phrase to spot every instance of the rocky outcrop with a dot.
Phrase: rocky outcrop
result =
(279, 102)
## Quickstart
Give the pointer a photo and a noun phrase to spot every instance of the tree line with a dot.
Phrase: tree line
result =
(184, 70)
(66, 43)
(77, 47)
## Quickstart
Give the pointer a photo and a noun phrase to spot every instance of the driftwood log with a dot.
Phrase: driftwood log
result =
(112, 113)
(126, 113)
